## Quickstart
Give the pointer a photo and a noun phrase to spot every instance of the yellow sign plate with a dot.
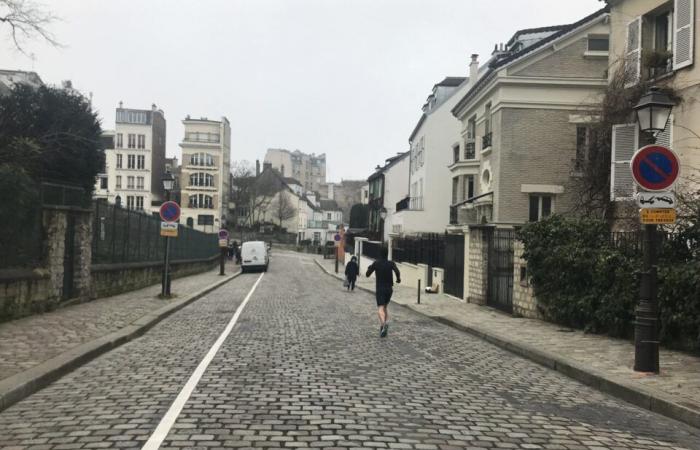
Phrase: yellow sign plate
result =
(657, 216)
(168, 229)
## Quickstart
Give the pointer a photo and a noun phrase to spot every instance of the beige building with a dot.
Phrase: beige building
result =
(134, 159)
(655, 40)
(309, 169)
(524, 122)
(204, 173)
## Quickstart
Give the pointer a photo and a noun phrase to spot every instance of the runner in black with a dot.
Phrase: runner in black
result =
(385, 282)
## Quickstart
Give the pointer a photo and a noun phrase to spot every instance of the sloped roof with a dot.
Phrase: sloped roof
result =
(451, 81)
(496, 65)
(329, 205)
(389, 162)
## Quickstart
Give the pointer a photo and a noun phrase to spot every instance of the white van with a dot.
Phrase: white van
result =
(254, 255)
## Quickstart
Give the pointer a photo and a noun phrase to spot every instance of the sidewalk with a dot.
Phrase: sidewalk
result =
(599, 361)
(37, 349)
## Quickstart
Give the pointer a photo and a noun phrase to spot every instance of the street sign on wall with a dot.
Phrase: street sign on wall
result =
(657, 216)
(168, 229)
(655, 168)
(169, 211)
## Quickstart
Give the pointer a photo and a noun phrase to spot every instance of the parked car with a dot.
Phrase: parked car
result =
(254, 255)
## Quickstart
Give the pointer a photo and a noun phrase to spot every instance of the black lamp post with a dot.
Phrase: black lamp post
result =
(168, 184)
(382, 215)
(653, 112)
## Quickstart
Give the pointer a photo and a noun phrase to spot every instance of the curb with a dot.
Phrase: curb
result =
(643, 398)
(24, 384)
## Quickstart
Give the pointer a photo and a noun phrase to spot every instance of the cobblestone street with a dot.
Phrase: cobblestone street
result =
(304, 367)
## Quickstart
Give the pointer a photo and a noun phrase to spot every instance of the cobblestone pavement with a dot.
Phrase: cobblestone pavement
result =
(304, 367)
(27, 342)
(680, 372)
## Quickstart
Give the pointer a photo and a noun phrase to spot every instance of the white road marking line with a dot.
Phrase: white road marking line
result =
(168, 420)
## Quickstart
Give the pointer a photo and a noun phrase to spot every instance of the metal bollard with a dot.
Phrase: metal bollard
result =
(419, 291)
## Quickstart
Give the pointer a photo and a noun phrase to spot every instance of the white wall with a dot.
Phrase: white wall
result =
(395, 190)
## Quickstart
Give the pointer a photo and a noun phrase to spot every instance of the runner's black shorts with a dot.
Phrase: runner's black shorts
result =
(384, 296)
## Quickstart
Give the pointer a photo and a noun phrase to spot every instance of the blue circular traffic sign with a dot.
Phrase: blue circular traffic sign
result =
(170, 211)
(655, 168)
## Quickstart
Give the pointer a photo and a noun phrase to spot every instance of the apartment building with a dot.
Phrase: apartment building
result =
(309, 169)
(387, 186)
(526, 120)
(134, 159)
(654, 42)
(205, 173)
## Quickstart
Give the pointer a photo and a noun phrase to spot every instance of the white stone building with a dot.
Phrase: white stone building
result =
(433, 142)
(135, 163)
(309, 169)
(204, 173)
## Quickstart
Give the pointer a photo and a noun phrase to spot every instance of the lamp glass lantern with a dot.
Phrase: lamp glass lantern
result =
(382, 213)
(168, 181)
(653, 111)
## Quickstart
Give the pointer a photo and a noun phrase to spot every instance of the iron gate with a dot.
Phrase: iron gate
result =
(454, 265)
(499, 293)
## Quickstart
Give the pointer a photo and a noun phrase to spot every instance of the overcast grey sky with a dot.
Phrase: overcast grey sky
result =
(344, 77)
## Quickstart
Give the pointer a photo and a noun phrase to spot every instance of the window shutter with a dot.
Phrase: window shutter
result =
(683, 33)
(633, 52)
(625, 142)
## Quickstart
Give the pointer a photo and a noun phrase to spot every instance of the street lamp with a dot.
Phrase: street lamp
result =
(382, 213)
(653, 112)
(168, 184)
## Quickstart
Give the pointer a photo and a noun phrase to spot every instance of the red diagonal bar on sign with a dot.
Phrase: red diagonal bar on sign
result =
(655, 168)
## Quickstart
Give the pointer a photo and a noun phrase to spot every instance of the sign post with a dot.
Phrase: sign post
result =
(223, 245)
(337, 250)
(169, 213)
(655, 169)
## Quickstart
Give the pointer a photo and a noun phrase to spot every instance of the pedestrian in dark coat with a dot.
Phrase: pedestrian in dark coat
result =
(385, 271)
(352, 270)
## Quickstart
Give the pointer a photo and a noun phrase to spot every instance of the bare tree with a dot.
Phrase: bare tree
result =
(283, 208)
(26, 21)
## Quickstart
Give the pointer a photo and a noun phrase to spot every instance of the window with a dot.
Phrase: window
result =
(201, 201)
(130, 201)
(329, 216)
(142, 141)
(486, 140)
(119, 161)
(139, 183)
(129, 182)
(467, 187)
(132, 140)
(131, 161)
(128, 116)
(119, 182)
(201, 159)
(455, 189)
(455, 153)
(540, 207)
(141, 162)
(139, 202)
(103, 182)
(205, 219)
(598, 43)
(212, 138)
(317, 236)
(120, 140)
(201, 179)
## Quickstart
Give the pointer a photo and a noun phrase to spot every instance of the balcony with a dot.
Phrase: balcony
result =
(486, 141)
(416, 204)
(470, 150)
(208, 138)
(322, 224)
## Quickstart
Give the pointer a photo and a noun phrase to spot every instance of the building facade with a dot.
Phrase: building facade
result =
(205, 173)
(387, 186)
(134, 159)
(426, 209)
(309, 169)
(346, 193)
(654, 42)
(527, 117)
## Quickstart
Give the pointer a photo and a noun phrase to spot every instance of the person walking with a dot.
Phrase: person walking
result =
(352, 270)
(384, 287)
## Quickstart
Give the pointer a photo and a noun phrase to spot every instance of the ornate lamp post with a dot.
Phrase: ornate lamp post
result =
(653, 112)
(382, 215)
(168, 184)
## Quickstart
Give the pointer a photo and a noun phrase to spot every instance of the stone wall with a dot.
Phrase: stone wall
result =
(524, 301)
(112, 279)
(477, 266)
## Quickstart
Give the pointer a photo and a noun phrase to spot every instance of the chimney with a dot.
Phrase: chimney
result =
(121, 104)
(153, 107)
(267, 166)
(473, 69)
(257, 167)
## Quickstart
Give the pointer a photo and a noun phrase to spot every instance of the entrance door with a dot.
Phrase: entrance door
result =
(499, 292)
(454, 265)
